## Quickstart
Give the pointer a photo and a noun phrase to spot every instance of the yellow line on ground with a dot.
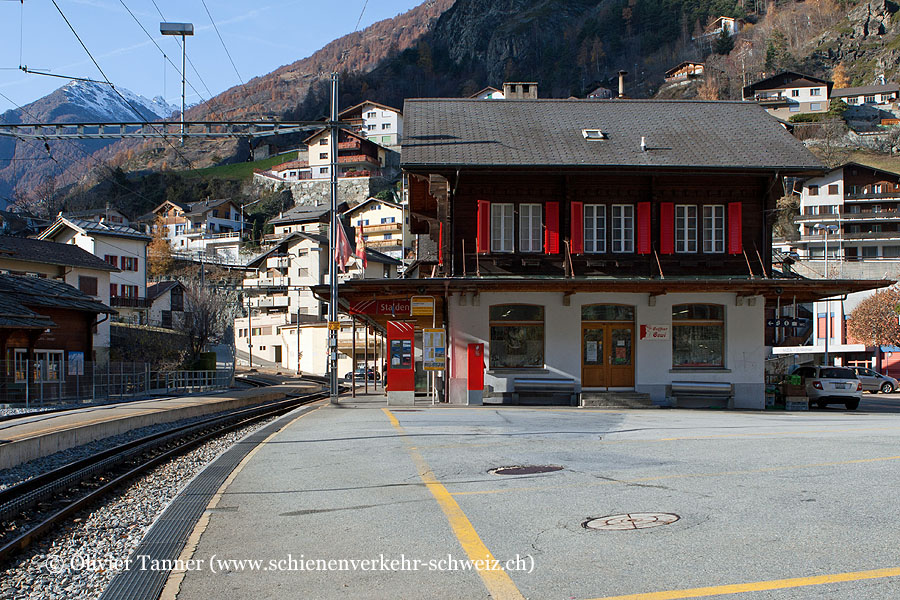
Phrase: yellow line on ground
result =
(680, 476)
(496, 580)
(759, 586)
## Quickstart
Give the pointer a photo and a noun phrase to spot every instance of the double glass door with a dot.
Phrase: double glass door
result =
(607, 355)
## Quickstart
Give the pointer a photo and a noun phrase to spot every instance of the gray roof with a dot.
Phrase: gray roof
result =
(301, 213)
(863, 90)
(155, 290)
(679, 134)
(95, 228)
(20, 295)
(50, 253)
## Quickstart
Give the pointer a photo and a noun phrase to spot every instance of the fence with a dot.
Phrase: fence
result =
(50, 380)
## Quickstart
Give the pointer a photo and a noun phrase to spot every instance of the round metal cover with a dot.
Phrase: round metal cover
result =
(525, 470)
(630, 521)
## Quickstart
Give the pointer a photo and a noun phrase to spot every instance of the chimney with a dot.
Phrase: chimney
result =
(622, 75)
(520, 90)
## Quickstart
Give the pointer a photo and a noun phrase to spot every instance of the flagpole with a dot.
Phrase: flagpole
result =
(332, 238)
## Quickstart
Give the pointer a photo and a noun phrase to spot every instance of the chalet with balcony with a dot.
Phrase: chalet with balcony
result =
(375, 122)
(292, 170)
(611, 247)
(122, 247)
(211, 227)
(383, 225)
(357, 156)
(788, 93)
(684, 72)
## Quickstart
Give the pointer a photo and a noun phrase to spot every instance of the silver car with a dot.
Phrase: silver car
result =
(831, 385)
(873, 381)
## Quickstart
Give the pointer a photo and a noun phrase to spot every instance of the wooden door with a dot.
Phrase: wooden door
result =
(607, 355)
(593, 356)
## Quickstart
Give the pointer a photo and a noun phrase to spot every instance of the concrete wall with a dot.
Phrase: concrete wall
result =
(350, 189)
(744, 343)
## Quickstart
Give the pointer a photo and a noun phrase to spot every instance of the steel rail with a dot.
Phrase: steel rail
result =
(16, 498)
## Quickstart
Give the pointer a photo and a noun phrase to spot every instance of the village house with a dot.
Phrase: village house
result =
(788, 93)
(383, 226)
(122, 247)
(214, 228)
(357, 155)
(46, 336)
(67, 263)
(867, 94)
(488, 93)
(684, 72)
(167, 304)
(376, 122)
(609, 249)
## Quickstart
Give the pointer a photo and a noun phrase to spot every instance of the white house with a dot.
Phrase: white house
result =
(377, 122)
(789, 93)
(383, 226)
(122, 247)
(213, 228)
(167, 305)
(868, 94)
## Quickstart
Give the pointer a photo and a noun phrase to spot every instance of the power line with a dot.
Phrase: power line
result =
(359, 20)
(216, 27)
(124, 99)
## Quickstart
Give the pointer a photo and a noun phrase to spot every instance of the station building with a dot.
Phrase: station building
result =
(621, 246)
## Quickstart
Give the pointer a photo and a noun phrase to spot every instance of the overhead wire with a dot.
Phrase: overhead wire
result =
(124, 99)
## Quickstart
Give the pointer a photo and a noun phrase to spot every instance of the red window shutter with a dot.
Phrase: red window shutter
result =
(667, 228)
(735, 243)
(643, 228)
(483, 235)
(114, 261)
(577, 233)
(551, 233)
(113, 290)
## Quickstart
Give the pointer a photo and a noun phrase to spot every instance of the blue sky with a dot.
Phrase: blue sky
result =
(260, 35)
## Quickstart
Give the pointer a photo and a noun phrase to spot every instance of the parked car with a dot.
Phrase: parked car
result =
(873, 381)
(831, 385)
(360, 373)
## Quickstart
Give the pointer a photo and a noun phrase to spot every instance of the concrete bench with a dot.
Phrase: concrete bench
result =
(544, 390)
(701, 390)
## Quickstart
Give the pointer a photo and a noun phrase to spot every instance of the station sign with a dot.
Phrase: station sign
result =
(787, 322)
(396, 308)
(421, 306)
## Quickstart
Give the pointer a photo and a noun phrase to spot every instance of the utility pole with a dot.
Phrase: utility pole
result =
(249, 331)
(332, 241)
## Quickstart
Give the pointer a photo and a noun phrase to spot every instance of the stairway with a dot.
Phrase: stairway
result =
(616, 400)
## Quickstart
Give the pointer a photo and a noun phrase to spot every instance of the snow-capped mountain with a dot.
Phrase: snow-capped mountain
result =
(75, 102)
(103, 101)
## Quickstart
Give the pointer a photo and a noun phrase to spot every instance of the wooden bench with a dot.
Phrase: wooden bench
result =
(701, 390)
(544, 390)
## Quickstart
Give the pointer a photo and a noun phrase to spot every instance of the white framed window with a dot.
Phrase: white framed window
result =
(815, 106)
(385, 126)
(388, 219)
(795, 93)
(815, 91)
(876, 188)
(714, 228)
(594, 228)
(623, 228)
(323, 141)
(685, 228)
(530, 229)
(502, 227)
(323, 169)
(370, 127)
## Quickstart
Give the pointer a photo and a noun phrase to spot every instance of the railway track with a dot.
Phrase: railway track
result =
(32, 508)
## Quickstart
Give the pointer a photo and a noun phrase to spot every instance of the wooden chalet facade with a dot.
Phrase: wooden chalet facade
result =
(615, 244)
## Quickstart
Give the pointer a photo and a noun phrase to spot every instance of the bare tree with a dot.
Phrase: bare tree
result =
(208, 317)
(874, 321)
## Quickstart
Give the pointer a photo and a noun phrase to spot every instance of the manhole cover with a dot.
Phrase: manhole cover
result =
(630, 521)
(525, 470)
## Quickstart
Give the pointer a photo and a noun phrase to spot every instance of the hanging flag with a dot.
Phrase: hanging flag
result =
(341, 248)
(361, 245)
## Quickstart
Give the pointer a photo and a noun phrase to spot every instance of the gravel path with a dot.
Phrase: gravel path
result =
(81, 558)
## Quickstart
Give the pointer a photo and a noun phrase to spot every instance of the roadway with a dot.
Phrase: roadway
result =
(782, 505)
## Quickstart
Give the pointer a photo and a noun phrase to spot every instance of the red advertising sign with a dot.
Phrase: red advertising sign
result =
(395, 308)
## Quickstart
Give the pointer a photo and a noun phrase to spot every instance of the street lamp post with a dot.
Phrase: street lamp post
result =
(826, 229)
(182, 29)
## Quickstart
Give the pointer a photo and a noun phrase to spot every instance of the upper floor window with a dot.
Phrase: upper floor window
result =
(88, 285)
(685, 228)
(813, 190)
(594, 228)
(370, 127)
(714, 228)
(876, 188)
(530, 228)
(623, 228)
(323, 142)
(371, 114)
(833, 189)
(502, 227)
(388, 219)
(323, 155)
(795, 93)
(385, 125)
(869, 99)
(815, 91)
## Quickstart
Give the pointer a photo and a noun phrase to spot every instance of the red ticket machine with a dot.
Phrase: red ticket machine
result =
(475, 379)
(401, 374)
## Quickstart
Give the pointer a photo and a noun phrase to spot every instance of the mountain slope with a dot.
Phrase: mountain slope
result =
(77, 101)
